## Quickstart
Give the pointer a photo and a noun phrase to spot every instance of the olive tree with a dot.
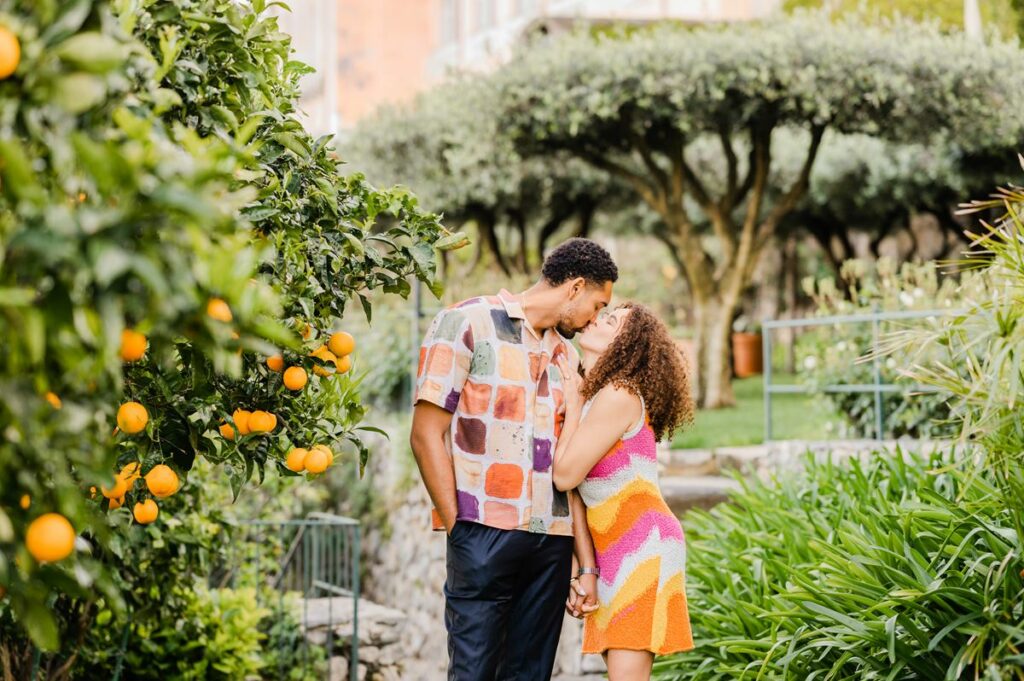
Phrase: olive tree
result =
(447, 148)
(633, 105)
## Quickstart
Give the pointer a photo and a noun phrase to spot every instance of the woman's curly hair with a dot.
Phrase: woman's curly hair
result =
(644, 360)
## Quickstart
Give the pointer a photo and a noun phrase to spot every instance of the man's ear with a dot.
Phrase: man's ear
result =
(576, 287)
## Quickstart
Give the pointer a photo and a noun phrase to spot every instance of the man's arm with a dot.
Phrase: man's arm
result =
(430, 424)
(583, 594)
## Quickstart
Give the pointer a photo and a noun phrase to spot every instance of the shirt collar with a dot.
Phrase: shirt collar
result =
(513, 307)
(514, 310)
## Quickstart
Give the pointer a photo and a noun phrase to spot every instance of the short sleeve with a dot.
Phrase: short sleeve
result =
(445, 359)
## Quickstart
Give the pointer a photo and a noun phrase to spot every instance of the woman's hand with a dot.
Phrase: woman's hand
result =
(571, 384)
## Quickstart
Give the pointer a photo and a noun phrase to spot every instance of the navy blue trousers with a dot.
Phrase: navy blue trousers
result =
(504, 602)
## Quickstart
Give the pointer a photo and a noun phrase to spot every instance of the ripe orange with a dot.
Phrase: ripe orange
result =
(241, 419)
(328, 451)
(276, 363)
(295, 461)
(219, 310)
(322, 353)
(118, 490)
(343, 364)
(162, 481)
(10, 53)
(227, 431)
(132, 417)
(317, 460)
(130, 473)
(117, 502)
(145, 512)
(262, 422)
(50, 538)
(295, 378)
(133, 345)
(341, 343)
(25, 502)
(306, 331)
(54, 400)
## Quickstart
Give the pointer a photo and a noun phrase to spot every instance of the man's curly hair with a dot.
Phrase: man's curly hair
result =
(579, 258)
(644, 360)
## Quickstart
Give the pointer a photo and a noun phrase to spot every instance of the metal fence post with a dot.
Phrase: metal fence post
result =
(877, 368)
(354, 659)
(767, 368)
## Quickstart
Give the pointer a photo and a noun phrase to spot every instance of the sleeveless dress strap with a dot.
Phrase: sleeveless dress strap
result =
(635, 430)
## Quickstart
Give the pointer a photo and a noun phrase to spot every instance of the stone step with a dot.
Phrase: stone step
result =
(702, 491)
(742, 459)
(716, 461)
(689, 462)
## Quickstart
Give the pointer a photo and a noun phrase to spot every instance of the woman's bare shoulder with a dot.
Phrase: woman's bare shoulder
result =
(617, 398)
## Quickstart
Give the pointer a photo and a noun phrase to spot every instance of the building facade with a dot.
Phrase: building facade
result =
(370, 53)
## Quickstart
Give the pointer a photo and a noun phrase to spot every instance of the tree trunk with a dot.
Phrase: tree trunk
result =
(558, 215)
(713, 321)
(489, 237)
(586, 219)
(522, 260)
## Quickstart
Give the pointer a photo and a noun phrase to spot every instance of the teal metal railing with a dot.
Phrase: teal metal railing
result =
(877, 386)
(316, 559)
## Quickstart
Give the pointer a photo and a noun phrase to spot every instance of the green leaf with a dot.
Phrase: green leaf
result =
(92, 51)
(292, 143)
(452, 242)
(355, 243)
(41, 626)
(17, 173)
(16, 297)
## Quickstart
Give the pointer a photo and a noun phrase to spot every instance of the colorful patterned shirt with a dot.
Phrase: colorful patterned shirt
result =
(483, 362)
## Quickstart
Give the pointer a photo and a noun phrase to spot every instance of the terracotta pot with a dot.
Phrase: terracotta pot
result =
(747, 358)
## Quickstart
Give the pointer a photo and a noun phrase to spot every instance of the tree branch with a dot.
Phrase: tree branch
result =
(728, 202)
(651, 194)
(748, 181)
(659, 175)
(796, 191)
(761, 139)
(685, 178)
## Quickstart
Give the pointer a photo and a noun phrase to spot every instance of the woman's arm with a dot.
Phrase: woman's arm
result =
(613, 412)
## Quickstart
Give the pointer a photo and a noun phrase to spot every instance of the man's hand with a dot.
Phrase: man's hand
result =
(582, 596)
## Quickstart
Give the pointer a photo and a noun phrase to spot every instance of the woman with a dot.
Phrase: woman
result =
(634, 393)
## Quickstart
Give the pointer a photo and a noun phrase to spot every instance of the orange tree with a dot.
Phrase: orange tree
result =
(166, 227)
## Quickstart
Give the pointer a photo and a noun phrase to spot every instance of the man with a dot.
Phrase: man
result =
(489, 407)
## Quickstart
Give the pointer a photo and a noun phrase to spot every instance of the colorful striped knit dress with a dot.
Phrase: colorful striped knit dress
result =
(640, 549)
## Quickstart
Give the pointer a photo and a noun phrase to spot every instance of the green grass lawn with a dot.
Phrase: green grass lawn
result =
(796, 417)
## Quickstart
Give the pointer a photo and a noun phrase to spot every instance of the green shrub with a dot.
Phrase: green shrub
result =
(895, 568)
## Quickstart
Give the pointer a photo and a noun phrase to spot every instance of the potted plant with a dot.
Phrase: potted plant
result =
(747, 359)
